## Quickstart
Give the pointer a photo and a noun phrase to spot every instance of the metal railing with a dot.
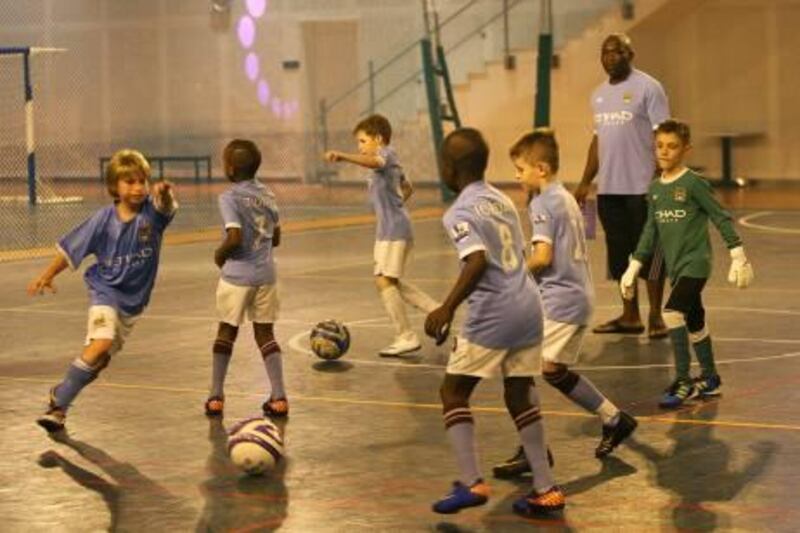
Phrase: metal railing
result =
(327, 106)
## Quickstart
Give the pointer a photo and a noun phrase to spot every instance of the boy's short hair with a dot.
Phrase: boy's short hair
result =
(375, 125)
(125, 162)
(244, 156)
(543, 138)
(678, 127)
(468, 152)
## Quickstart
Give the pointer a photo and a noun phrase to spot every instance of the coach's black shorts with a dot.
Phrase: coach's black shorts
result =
(623, 217)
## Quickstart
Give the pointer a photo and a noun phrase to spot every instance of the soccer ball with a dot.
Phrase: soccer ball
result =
(330, 340)
(255, 445)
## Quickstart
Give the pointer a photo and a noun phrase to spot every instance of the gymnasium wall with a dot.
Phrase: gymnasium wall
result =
(727, 66)
(731, 66)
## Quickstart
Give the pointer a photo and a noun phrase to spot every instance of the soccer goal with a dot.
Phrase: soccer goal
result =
(20, 182)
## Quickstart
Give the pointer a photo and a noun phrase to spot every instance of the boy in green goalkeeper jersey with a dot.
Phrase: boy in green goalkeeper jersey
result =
(680, 204)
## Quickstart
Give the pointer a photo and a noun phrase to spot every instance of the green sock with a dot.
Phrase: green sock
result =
(680, 347)
(705, 356)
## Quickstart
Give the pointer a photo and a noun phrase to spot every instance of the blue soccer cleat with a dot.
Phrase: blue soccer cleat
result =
(462, 497)
(707, 387)
(677, 393)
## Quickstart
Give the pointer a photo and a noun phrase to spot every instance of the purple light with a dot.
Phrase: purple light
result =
(251, 65)
(263, 92)
(246, 31)
(277, 107)
(256, 7)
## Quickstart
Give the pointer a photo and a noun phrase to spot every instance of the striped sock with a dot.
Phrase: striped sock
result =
(531, 433)
(222, 358)
(460, 428)
(273, 362)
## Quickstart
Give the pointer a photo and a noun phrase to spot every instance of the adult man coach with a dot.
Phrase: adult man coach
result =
(626, 109)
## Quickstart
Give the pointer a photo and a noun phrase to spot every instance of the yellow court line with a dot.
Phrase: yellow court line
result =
(429, 406)
(213, 234)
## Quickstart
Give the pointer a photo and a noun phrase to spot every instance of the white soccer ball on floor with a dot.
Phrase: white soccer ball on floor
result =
(255, 445)
(330, 339)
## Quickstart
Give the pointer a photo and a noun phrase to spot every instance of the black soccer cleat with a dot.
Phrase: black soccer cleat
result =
(614, 435)
(517, 465)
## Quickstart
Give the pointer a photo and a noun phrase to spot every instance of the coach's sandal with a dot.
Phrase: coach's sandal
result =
(215, 406)
(615, 326)
(462, 497)
(517, 465)
(276, 408)
(656, 329)
(401, 346)
(614, 435)
(53, 419)
(537, 504)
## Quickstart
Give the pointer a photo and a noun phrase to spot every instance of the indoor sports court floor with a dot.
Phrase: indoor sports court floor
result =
(365, 442)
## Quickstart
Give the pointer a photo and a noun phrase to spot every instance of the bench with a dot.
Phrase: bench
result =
(159, 160)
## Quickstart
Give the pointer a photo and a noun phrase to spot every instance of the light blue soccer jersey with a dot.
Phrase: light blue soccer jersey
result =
(625, 115)
(393, 222)
(566, 285)
(250, 206)
(504, 309)
(127, 256)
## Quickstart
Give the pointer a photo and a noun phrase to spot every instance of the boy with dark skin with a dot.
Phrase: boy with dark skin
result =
(502, 330)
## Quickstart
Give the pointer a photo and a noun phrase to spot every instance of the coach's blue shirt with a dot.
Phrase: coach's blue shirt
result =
(127, 255)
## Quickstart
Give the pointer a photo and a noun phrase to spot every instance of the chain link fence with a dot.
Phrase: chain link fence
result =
(174, 79)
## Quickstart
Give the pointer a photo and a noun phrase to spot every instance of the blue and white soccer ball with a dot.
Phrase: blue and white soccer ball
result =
(330, 339)
(255, 445)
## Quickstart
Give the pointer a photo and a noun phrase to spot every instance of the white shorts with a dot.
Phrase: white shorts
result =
(562, 342)
(470, 359)
(260, 304)
(391, 258)
(107, 324)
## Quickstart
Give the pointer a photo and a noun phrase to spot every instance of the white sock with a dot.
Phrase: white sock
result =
(416, 297)
(609, 413)
(396, 310)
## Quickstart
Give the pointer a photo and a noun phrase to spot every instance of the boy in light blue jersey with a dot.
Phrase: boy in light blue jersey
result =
(560, 265)
(503, 328)
(388, 191)
(125, 239)
(247, 285)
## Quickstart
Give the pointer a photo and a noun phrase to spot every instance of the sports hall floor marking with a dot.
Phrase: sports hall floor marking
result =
(416, 405)
(746, 221)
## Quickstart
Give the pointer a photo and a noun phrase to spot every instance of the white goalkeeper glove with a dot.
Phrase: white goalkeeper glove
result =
(741, 272)
(627, 284)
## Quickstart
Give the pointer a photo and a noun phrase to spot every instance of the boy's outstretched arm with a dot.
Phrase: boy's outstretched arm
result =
(437, 324)
(368, 161)
(233, 240)
(45, 279)
(163, 197)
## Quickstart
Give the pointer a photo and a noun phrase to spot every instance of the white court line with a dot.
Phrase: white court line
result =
(746, 222)
(295, 344)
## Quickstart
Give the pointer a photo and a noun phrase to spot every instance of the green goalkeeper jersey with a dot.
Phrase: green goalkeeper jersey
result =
(678, 213)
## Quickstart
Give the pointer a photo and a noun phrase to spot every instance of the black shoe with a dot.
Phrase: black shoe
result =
(614, 435)
(517, 465)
